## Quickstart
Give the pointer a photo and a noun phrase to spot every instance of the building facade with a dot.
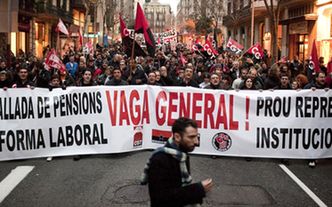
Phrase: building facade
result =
(300, 23)
(188, 11)
(159, 16)
(33, 24)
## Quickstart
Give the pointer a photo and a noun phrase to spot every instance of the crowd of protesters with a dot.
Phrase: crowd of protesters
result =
(110, 66)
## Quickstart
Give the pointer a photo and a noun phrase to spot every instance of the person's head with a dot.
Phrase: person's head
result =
(152, 78)
(3, 75)
(206, 77)
(3, 64)
(236, 65)
(108, 70)
(72, 58)
(252, 73)
(188, 73)
(302, 80)
(105, 64)
(157, 72)
(248, 83)
(180, 73)
(87, 76)
(23, 72)
(284, 80)
(218, 69)
(226, 80)
(55, 81)
(321, 60)
(295, 85)
(284, 69)
(163, 71)
(215, 79)
(185, 134)
(190, 65)
(244, 73)
(320, 78)
(117, 73)
(123, 64)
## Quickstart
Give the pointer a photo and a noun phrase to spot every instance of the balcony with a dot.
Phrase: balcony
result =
(51, 12)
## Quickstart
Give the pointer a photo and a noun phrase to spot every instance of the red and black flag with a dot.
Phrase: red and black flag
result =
(160, 136)
(142, 26)
(127, 41)
(314, 62)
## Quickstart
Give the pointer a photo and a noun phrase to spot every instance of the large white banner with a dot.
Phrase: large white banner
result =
(92, 120)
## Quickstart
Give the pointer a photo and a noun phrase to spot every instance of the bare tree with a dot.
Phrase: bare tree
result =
(87, 11)
(273, 12)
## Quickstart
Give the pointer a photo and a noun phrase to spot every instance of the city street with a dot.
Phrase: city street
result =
(113, 180)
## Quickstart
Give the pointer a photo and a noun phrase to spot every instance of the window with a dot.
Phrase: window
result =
(229, 8)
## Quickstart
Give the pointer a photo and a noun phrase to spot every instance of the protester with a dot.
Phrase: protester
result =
(116, 79)
(4, 80)
(86, 79)
(152, 79)
(23, 80)
(284, 82)
(167, 172)
(188, 78)
(248, 84)
(206, 80)
(214, 82)
(72, 66)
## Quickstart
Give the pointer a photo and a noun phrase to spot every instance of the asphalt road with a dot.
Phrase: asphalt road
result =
(113, 180)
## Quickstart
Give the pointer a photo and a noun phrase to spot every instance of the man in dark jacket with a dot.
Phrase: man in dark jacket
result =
(168, 173)
(116, 80)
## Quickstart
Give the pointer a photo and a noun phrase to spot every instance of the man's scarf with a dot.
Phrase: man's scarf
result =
(172, 149)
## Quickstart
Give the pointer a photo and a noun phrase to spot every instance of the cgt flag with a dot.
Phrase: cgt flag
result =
(127, 41)
(234, 46)
(53, 61)
(256, 50)
(314, 63)
(208, 48)
(142, 26)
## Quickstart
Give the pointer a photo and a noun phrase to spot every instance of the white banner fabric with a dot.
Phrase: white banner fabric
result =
(101, 120)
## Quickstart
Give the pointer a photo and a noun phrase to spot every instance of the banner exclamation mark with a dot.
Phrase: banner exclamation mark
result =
(247, 112)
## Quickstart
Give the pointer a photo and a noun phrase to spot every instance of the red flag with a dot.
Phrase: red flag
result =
(209, 48)
(314, 63)
(53, 61)
(256, 50)
(123, 29)
(234, 46)
(89, 47)
(62, 27)
(142, 26)
(127, 41)
(182, 59)
(329, 68)
(80, 37)
(197, 46)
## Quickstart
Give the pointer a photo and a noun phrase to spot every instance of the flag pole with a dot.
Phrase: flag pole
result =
(252, 22)
(132, 61)
(58, 44)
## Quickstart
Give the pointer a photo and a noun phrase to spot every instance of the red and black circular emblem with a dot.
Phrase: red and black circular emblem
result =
(221, 141)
